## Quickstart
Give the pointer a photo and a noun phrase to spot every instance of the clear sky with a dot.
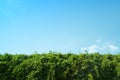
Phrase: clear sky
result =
(59, 25)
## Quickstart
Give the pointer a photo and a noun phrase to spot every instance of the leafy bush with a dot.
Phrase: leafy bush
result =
(57, 66)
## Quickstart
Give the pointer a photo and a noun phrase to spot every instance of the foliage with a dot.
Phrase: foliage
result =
(57, 66)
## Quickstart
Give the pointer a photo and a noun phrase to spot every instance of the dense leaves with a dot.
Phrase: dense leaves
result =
(57, 66)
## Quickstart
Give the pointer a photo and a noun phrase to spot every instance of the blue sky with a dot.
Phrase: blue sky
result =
(59, 25)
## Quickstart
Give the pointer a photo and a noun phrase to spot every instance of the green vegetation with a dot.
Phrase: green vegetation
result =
(57, 66)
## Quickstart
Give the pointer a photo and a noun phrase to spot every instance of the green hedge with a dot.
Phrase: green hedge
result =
(57, 66)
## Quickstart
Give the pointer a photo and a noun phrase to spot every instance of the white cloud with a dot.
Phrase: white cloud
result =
(93, 48)
(90, 49)
(102, 47)
(113, 47)
(83, 49)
